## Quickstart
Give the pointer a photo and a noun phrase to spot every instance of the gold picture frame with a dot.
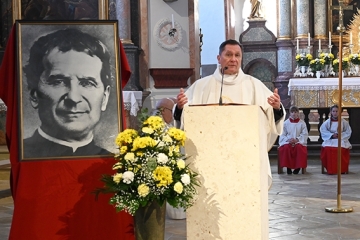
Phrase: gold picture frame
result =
(50, 10)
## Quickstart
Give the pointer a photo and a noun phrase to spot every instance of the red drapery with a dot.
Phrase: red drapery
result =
(53, 199)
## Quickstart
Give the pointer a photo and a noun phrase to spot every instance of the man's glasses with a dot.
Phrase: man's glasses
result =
(162, 109)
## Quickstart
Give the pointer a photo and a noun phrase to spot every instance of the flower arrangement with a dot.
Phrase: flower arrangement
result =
(328, 57)
(354, 58)
(303, 60)
(317, 64)
(150, 167)
(345, 64)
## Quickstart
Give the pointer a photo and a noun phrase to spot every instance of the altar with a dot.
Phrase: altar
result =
(320, 94)
(324, 92)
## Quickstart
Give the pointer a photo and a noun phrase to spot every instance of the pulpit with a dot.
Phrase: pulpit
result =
(228, 153)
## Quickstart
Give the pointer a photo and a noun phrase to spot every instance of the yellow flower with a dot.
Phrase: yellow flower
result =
(180, 164)
(163, 175)
(143, 142)
(117, 177)
(147, 130)
(130, 156)
(155, 122)
(178, 135)
(117, 165)
(178, 187)
(123, 149)
(143, 190)
(125, 137)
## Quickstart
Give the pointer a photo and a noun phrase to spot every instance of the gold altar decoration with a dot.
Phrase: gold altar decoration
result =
(354, 28)
(325, 98)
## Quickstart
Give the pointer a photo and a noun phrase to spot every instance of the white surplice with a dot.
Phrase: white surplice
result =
(294, 130)
(328, 128)
(242, 89)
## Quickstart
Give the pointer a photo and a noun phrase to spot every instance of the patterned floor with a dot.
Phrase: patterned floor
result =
(296, 206)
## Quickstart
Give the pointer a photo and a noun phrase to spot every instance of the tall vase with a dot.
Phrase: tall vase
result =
(150, 222)
(318, 74)
(303, 70)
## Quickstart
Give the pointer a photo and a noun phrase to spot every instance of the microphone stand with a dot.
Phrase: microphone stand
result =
(222, 83)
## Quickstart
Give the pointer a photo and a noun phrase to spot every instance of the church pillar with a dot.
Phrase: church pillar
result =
(302, 18)
(320, 21)
(123, 15)
(121, 10)
(285, 49)
(284, 19)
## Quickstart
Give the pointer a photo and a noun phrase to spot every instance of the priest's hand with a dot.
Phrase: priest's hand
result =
(181, 99)
(274, 100)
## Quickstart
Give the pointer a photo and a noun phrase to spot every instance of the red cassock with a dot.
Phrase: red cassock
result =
(293, 156)
(53, 199)
(329, 159)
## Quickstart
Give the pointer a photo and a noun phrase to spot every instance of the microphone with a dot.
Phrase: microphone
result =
(222, 83)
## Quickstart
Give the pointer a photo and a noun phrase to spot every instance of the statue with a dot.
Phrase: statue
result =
(255, 9)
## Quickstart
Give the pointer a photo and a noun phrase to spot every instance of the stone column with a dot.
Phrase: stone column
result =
(320, 7)
(302, 16)
(123, 15)
(285, 51)
(285, 19)
(121, 10)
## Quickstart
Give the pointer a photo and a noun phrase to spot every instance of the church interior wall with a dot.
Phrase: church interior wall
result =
(159, 57)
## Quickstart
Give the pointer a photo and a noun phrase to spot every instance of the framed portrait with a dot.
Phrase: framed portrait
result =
(60, 10)
(350, 8)
(69, 89)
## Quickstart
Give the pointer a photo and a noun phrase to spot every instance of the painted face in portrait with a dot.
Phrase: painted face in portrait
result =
(70, 95)
(230, 58)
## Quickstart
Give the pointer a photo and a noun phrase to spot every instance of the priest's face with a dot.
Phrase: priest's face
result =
(70, 95)
(230, 58)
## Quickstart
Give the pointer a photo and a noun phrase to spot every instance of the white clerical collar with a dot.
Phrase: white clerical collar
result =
(73, 145)
(229, 79)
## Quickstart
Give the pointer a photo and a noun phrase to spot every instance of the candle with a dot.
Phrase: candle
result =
(309, 39)
(320, 44)
(329, 38)
(350, 37)
(297, 44)
(172, 21)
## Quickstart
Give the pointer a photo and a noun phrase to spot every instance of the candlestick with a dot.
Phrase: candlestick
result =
(308, 39)
(297, 44)
(329, 38)
(319, 44)
(350, 37)
(172, 21)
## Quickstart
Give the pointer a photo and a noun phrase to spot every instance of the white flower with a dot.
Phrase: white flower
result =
(167, 138)
(162, 158)
(185, 178)
(160, 143)
(128, 177)
(130, 156)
